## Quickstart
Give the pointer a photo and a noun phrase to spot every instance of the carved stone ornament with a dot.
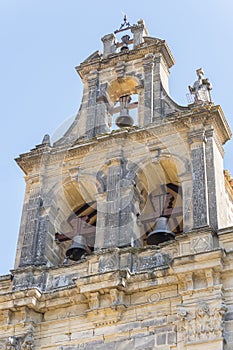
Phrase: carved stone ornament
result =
(28, 342)
(11, 343)
(202, 324)
(94, 300)
(116, 297)
(200, 244)
(108, 263)
(201, 88)
(25, 342)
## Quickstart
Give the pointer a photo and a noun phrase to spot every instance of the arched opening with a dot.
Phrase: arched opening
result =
(79, 225)
(161, 196)
(124, 96)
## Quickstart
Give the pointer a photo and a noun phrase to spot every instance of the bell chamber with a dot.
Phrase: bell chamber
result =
(161, 232)
(78, 249)
(124, 119)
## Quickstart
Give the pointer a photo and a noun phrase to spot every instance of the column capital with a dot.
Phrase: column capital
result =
(148, 62)
(196, 136)
(92, 78)
(209, 132)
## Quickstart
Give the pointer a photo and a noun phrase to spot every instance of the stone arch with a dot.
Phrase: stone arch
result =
(121, 87)
(160, 190)
(123, 94)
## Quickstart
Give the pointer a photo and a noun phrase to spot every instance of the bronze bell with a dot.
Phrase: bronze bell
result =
(161, 233)
(78, 248)
(124, 118)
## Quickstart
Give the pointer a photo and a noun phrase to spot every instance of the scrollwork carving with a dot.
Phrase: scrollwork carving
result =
(24, 342)
(201, 324)
(12, 343)
(28, 342)
(94, 300)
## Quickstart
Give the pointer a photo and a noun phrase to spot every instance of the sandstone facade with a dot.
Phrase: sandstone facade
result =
(106, 186)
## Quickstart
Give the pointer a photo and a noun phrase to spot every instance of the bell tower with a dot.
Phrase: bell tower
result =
(126, 233)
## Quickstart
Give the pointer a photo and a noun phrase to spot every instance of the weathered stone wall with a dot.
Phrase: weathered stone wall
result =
(174, 297)
(61, 178)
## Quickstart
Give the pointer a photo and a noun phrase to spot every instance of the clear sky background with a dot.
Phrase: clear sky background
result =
(41, 41)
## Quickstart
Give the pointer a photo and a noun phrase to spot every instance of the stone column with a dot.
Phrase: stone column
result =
(199, 179)
(109, 44)
(148, 67)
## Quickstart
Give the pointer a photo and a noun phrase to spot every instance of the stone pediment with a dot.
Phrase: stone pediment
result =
(149, 40)
(95, 55)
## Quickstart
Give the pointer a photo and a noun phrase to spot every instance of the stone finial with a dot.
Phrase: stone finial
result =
(109, 42)
(139, 31)
(228, 178)
(201, 88)
(46, 140)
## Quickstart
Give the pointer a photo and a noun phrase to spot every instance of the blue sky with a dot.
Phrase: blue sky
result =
(43, 40)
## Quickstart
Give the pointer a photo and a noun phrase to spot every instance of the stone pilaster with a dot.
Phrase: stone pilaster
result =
(148, 67)
(186, 182)
(211, 178)
(200, 193)
(100, 223)
(102, 120)
(158, 84)
(35, 245)
(29, 227)
(91, 105)
(117, 209)
(140, 91)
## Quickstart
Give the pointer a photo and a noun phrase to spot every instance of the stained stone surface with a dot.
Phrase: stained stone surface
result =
(110, 186)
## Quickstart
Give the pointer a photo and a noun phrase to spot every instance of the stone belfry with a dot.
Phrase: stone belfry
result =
(126, 234)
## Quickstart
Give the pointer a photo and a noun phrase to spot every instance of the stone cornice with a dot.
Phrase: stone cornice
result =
(178, 122)
(89, 288)
(158, 46)
(151, 268)
(221, 124)
(198, 261)
(31, 160)
(205, 115)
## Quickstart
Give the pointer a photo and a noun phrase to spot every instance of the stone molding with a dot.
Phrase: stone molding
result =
(201, 324)
(103, 292)
(23, 342)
